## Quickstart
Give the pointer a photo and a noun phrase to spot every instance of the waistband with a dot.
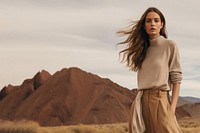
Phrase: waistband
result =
(155, 92)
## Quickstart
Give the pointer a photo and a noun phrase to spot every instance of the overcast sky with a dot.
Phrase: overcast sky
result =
(56, 34)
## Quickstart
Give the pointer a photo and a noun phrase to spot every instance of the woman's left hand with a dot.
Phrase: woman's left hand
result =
(173, 108)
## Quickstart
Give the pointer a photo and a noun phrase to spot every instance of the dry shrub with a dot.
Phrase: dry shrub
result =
(112, 128)
(106, 128)
(191, 130)
(189, 123)
(82, 129)
(187, 126)
(22, 126)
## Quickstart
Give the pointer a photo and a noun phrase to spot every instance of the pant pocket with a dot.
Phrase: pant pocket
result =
(169, 107)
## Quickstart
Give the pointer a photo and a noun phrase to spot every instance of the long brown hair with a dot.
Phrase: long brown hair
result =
(138, 40)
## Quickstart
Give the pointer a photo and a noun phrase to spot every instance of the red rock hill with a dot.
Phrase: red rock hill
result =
(70, 96)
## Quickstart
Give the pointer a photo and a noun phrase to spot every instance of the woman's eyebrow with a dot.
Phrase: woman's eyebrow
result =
(153, 18)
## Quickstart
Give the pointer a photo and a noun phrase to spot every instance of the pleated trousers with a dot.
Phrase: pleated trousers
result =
(157, 113)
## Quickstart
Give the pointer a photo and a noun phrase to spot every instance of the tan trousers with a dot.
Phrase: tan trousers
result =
(157, 113)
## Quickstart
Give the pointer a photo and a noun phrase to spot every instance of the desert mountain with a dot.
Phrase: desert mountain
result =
(187, 100)
(73, 96)
(70, 96)
(188, 107)
(192, 109)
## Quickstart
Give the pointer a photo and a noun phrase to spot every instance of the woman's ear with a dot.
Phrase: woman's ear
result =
(161, 25)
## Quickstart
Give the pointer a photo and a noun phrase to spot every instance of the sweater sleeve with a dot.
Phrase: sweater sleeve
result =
(175, 72)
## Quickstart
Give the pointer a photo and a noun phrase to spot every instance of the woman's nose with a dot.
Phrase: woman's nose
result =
(152, 23)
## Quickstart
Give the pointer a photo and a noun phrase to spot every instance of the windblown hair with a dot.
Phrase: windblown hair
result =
(138, 40)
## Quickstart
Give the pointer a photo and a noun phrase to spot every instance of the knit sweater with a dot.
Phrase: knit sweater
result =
(161, 67)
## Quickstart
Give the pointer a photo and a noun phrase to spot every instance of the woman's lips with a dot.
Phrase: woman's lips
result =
(152, 29)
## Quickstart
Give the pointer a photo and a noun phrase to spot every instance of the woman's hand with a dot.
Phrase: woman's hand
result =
(173, 107)
(175, 95)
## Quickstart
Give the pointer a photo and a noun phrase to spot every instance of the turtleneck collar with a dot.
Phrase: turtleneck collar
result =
(156, 41)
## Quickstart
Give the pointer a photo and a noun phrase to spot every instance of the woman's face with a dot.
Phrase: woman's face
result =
(153, 25)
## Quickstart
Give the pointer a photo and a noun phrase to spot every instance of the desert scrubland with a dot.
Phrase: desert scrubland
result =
(188, 125)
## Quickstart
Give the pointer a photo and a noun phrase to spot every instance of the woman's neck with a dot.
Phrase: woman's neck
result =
(153, 37)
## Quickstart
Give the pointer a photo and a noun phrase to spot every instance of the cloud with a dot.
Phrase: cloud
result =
(52, 34)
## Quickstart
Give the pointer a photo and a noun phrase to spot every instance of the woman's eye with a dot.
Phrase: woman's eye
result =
(157, 20)
(148, 20)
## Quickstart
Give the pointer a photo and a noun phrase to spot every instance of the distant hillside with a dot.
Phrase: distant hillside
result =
(192, 99)
(182, 101)
(192, 109)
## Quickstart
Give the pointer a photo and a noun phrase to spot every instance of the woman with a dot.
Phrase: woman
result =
(156, 61)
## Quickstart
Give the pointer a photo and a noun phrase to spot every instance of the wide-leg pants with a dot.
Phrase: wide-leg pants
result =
(157, 113)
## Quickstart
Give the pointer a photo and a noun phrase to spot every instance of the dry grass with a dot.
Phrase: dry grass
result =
(23, 126)
(190, 122)
(187, 125)
(190, 125)
(33, 127)
(107, 128)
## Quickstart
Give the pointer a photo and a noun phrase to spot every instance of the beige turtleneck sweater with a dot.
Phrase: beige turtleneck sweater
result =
(161, 66)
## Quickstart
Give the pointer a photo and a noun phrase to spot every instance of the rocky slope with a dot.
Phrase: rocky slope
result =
(70, 96)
